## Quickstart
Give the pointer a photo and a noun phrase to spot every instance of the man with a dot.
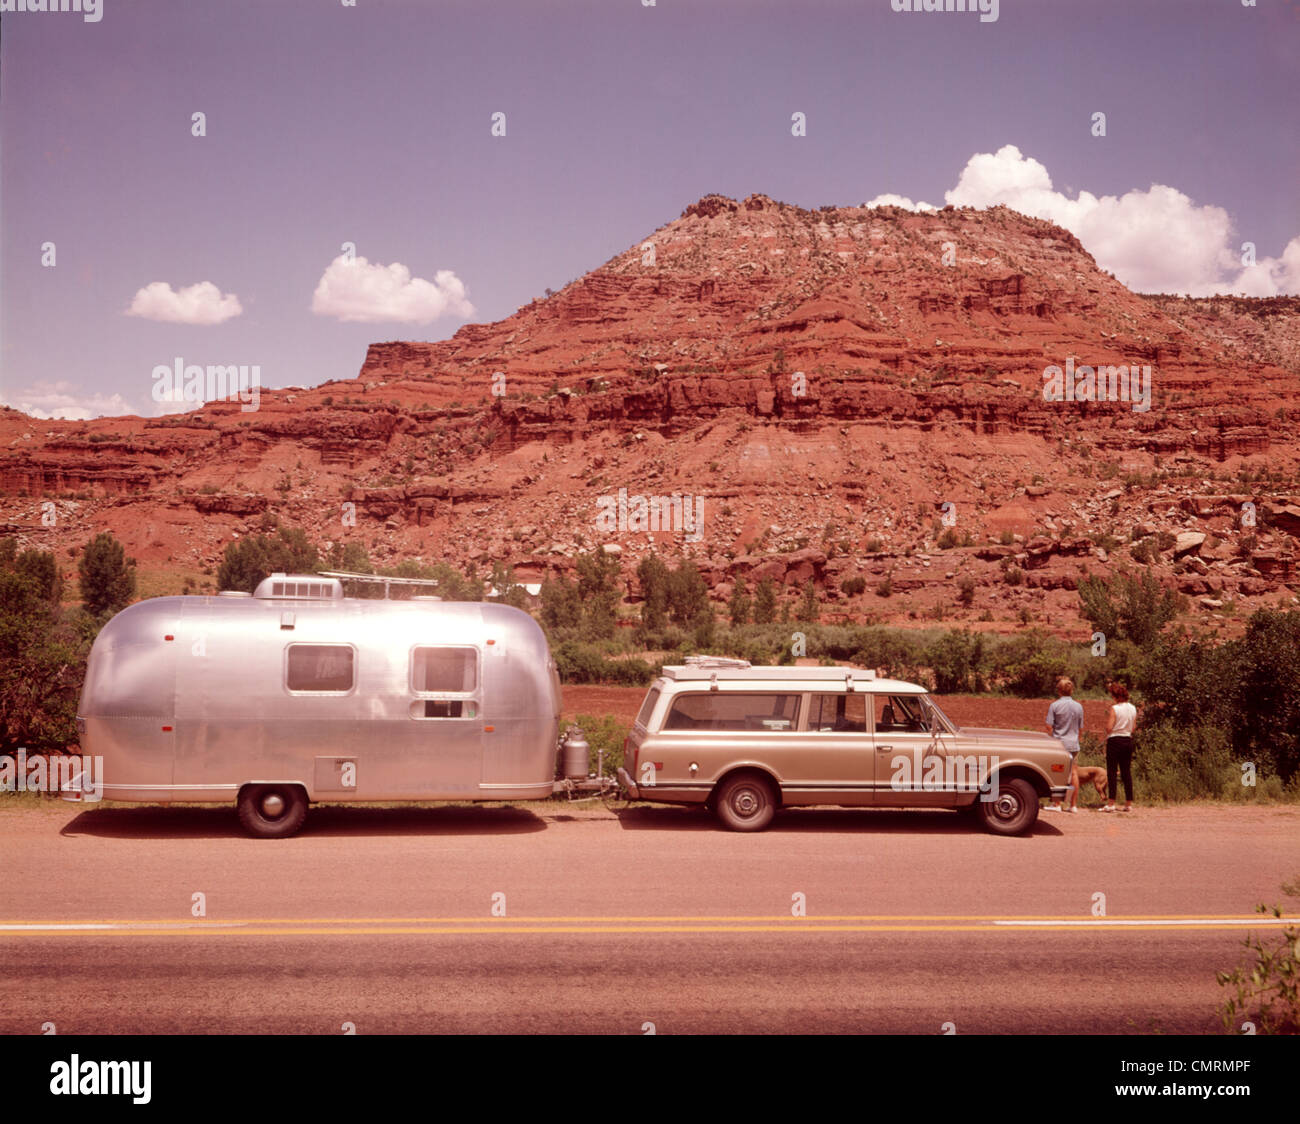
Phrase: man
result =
(1064, 721)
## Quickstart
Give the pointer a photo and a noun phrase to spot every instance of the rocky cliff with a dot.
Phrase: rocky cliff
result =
(842, 392)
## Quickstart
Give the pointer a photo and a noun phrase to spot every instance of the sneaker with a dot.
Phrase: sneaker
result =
(1128, 807)
(1071, 809)
(1108, 807)
(1052, 808)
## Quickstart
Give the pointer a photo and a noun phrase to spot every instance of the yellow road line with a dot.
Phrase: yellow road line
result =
(498, 926)
(783, 918)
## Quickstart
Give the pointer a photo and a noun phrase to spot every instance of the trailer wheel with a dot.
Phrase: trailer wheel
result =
(272, 811)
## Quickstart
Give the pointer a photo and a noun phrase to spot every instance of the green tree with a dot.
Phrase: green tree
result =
(809, 610)
(561, 603)
(1134, 607)
(598, 575)
(107, 578)
(688, 596)
(509, 591)
(765, 602)
(255, 557)
(42, 662)
(1266, 690)
(740, 605)
(39, 565)
(653, 577)
(351, 557)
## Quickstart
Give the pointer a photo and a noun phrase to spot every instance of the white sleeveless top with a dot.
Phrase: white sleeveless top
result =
(1125, 719)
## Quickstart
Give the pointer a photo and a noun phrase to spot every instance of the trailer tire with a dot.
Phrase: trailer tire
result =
(258, 804)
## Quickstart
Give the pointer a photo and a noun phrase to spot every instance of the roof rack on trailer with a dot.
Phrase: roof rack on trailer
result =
(377, 579)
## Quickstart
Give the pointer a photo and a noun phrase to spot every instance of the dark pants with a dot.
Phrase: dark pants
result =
(1119, 756)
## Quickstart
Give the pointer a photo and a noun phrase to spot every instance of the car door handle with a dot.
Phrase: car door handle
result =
(884, 749)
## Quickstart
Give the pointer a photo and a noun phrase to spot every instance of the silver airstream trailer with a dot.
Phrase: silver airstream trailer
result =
(297, 694)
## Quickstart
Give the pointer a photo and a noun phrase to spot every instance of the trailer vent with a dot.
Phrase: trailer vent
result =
(299, 587)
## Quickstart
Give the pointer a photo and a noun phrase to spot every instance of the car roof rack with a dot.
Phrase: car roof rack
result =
(742, 671)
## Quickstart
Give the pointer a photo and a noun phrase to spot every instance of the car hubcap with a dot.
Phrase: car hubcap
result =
(1007, 806)
(273, 806)
(745, 802)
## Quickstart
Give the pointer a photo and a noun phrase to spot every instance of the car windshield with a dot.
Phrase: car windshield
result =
(932, 707)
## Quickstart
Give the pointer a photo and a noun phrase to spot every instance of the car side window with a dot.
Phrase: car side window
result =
(840, 713)
(899, 714)
(722, 710)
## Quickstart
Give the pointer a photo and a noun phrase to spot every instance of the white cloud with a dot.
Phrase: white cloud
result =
(61, 400)
(900, 201)
(1271, 277)
(1156, 240)
(202, 303)
(355, 290)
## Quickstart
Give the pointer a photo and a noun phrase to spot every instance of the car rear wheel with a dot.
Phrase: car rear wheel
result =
(1013, 809)
(745, 803)
(272, 811)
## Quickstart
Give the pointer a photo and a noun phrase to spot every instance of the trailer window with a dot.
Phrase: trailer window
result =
(719, 710)
(444, 670)
(320, 667)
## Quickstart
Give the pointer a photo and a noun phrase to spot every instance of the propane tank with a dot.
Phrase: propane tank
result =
(575, 754)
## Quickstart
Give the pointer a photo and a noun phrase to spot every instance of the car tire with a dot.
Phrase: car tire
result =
(745, 802)
(1014, 809)
(272, 811)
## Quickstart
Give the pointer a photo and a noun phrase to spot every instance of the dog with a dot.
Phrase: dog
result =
(1094, 775)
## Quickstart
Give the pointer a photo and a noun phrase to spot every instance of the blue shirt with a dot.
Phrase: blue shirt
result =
(1065, 716)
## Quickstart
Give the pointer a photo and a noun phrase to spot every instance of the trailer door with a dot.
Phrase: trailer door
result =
(447, 685)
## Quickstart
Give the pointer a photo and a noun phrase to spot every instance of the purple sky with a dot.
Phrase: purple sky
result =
(371, 124)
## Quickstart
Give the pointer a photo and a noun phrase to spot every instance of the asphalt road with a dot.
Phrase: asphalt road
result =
(617, 918)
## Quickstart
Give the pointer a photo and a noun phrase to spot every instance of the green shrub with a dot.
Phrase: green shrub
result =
(607, 733)
(1266, 992)
(966, 590)
(579, 662)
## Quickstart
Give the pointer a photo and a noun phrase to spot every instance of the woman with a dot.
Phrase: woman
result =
(1120, 724)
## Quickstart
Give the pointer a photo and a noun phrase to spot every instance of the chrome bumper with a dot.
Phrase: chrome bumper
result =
(626, 781)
